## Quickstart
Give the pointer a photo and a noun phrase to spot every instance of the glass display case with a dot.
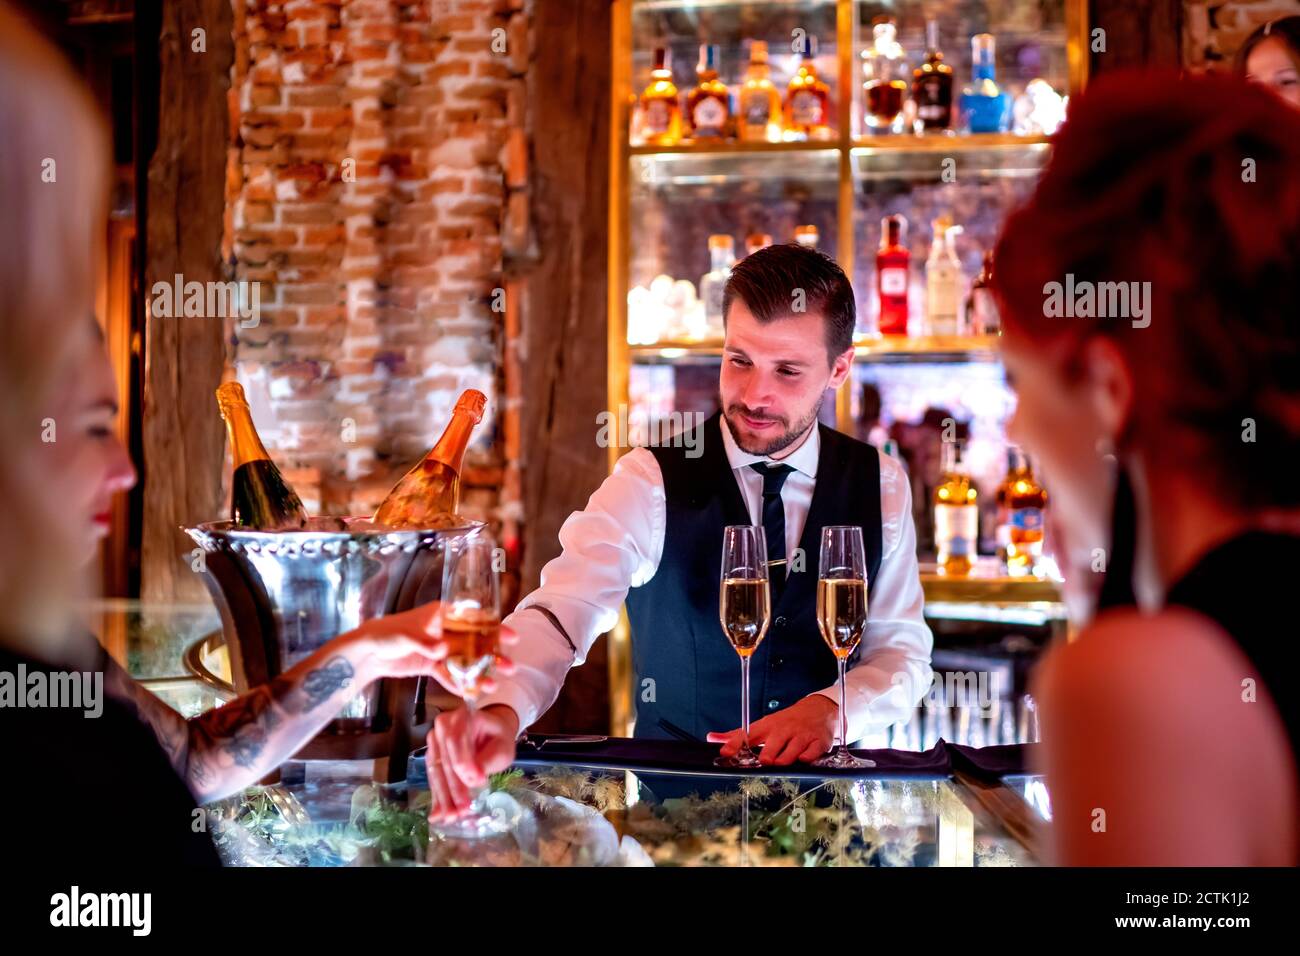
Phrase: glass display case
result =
(937, 118)
(594, 811)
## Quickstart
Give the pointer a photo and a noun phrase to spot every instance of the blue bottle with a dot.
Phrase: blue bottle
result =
(987, 108)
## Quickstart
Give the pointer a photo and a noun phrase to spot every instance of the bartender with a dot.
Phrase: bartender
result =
(651, 536)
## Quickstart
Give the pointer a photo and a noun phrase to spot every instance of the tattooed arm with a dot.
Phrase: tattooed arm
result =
(233, 746)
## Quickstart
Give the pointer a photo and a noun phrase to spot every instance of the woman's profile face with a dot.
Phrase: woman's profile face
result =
(1055, 423)
(86, 463)
(1272, 64)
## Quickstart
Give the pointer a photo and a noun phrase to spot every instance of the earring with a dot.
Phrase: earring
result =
(1105, 448)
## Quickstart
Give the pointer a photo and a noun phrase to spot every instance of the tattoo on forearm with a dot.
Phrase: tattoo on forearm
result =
(321, 684)
(240, 727)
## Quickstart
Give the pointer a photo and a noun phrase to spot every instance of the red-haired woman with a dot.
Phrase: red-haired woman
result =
(1271, 56)
(1151, 290)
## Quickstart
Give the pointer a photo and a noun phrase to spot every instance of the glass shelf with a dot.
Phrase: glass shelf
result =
(949, 160)
(926, 348)
(783, 168)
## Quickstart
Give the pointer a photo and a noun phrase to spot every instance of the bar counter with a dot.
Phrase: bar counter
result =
(596, 805)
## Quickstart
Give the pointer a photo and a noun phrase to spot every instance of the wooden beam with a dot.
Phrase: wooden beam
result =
(1138, 33)
(183, 443)
(564, 307)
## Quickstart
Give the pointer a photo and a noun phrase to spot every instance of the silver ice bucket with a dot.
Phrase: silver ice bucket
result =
(284, 594)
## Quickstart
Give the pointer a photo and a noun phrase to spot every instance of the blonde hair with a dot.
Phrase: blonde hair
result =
(54, 158)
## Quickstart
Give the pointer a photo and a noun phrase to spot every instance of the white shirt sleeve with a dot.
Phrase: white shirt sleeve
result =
(612, 545)
(893, 670)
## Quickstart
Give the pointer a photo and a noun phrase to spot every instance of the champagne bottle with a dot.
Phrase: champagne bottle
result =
(260, 497)
(430, 492)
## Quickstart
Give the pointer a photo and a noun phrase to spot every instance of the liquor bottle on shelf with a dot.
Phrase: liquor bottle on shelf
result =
(428, 495)
(956, 514)
(661, 116)
(932, 86)
(1021, 503)
(944, 281)
(987, 108)
(885, 68)
(807, 236)
(722, 255)
(759, 118)
(807, 100)
(757, 240)
(893, 275)
(260, 498)
(982, 316)
(708, 105)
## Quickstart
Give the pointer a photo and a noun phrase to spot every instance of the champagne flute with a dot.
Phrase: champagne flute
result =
(744, 606)
(471, 626)
(842, 617)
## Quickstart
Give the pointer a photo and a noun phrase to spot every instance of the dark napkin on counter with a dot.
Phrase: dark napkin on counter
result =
(680, 756)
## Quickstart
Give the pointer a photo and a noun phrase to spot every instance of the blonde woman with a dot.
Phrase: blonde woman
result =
(118, 779)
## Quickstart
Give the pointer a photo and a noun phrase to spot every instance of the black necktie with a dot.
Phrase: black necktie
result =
(774, 523)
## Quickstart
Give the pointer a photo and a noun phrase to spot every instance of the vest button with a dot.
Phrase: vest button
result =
(773, 704)
(779, 622)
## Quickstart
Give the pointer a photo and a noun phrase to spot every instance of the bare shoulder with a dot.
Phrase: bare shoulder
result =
(1159, 717)
(1163, 656)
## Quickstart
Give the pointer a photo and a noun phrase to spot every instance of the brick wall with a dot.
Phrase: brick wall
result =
(368, 192)
(1214, 29)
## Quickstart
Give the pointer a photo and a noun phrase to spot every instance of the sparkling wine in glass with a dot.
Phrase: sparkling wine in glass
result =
(842, 617)
(471, 625)
(744, 607)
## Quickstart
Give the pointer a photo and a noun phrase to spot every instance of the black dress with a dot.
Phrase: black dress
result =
(1243, 586)
(90, 792)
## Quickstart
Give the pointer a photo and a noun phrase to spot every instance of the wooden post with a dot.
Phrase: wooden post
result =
(564, 316)
(184, 135)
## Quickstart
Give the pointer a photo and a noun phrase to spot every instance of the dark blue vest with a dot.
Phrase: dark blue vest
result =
(677, 639)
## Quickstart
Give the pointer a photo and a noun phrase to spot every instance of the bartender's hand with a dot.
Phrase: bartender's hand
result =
(460, 758)
(800, 733)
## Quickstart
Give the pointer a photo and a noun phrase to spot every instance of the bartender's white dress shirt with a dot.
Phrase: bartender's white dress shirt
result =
(615, 543)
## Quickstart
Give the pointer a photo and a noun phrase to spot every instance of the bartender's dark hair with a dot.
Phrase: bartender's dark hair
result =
(1286, 29)
(1193, 185)
(775, 280)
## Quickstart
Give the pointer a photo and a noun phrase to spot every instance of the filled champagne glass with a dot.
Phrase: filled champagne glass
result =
(842, 617)
(471, 626)
(745, 609)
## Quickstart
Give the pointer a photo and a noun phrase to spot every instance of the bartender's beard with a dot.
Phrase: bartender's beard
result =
(787, 437)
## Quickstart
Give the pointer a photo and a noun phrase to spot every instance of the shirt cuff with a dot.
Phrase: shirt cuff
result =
(513, 696)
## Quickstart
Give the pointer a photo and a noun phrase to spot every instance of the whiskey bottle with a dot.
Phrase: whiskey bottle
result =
(956, 514)
(1021, 503)
(708, 105)
(428, 495)
(893, 275)
(982, 317)
(932, 86)
(661, 116)
(807, 100)
(759, 118)
(885, 68)
(260, 498)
